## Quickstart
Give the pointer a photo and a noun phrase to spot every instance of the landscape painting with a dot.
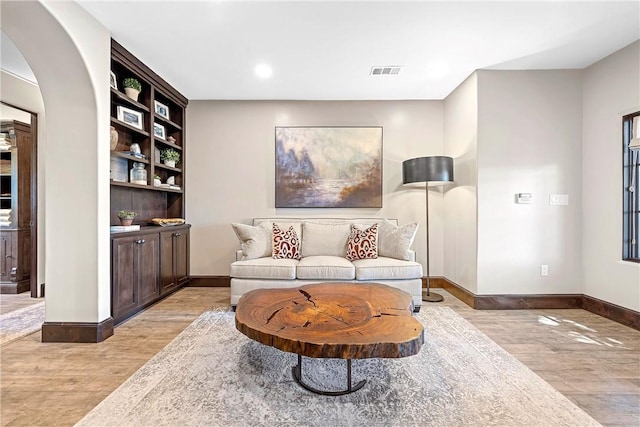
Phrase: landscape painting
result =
(328, 167)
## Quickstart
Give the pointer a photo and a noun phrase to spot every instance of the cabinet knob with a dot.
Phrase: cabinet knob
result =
(177, 234)
(140, 241)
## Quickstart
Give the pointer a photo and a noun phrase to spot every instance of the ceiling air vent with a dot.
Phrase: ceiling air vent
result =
(386, 70)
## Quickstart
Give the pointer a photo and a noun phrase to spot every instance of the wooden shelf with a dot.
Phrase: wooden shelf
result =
(167, 143)
(169, 168)
(124, 98)
(129, 157)
(144, 187)
(164, 120)
(128, 127)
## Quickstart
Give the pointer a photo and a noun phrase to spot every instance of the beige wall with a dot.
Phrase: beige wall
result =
(529, 141)
(230, 168)
(611, 89)
(460, 200)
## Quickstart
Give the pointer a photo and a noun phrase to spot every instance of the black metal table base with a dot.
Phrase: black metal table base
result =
(297, 376)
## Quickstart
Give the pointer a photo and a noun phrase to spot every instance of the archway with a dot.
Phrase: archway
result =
(69, 51)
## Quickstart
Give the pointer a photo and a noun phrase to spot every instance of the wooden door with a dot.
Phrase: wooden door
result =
(167, 259)
(181, 249)
(148, 256)
(6, 255)
(124, 295)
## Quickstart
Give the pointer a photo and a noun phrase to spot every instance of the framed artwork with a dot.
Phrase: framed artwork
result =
(328, 167)
(129, 116)
(159, 131)
(112, 81)
(161, 109)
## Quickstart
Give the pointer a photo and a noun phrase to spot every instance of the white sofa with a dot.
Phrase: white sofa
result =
(323, 247)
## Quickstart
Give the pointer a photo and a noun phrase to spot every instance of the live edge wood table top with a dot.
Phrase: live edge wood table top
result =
(332, 320)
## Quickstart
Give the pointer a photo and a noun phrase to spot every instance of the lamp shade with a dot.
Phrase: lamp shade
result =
(427, 169)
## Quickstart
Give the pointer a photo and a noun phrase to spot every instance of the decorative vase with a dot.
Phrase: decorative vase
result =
(171, 140)
(131, 93)
(114, 138)
(126, 221)
(170, 163)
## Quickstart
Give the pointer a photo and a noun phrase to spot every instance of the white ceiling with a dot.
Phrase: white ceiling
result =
(325, 50)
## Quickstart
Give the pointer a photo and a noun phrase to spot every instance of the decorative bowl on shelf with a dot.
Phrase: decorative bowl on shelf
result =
(168, 222)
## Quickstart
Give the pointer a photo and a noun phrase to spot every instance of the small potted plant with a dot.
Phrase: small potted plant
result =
(157, 181)
(126, 217)
(170, 157)
(132, 88)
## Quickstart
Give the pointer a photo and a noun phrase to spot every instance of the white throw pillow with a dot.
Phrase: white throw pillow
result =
(324, 239)
(394, 241)
(255, 241)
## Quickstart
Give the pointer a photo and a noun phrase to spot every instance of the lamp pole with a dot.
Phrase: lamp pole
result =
(429, 296)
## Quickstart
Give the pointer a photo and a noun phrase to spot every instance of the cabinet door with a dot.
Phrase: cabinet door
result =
(23, 253)
(124, 293)
(148, 256)
(181, 249)
(167, 276)
(6, 254)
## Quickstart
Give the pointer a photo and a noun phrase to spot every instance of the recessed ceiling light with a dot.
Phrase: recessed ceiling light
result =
(263, 71)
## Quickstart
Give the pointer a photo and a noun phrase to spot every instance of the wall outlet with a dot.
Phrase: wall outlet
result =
(544, 270)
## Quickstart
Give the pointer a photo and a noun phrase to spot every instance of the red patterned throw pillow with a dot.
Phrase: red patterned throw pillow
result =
(286, 244)
(363, 244)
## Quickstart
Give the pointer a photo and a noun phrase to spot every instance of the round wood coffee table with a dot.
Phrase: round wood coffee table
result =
(332, 320)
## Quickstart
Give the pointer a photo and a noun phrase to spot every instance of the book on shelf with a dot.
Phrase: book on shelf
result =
(123, 228)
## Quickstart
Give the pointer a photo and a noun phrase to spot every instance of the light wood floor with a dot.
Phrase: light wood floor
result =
(593, 361)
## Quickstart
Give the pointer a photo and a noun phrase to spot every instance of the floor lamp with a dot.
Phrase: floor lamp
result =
(434, 170)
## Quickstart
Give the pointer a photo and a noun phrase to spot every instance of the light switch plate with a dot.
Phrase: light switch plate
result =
(524, 198)
(558, 199)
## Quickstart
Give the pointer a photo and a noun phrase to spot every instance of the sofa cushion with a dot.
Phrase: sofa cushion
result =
(362, 244)
(286, 243)
(265, 268)
(394, 241)
(323, 267)
(255, 241)
(324, 239)
(386, 268)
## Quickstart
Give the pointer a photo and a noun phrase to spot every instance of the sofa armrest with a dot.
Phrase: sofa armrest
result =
(412, 255)
(239, 255)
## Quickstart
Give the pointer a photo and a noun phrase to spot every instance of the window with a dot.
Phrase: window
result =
(631, 190)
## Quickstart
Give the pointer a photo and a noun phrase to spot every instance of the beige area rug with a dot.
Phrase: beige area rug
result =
(20, 323)
(212, 375)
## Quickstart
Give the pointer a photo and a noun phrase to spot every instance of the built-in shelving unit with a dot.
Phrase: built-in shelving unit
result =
(150, 263)
(156, 97)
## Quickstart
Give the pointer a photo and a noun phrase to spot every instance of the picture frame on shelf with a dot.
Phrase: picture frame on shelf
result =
(130, 117)
(159, 131)
(161, 109)
(112, 80)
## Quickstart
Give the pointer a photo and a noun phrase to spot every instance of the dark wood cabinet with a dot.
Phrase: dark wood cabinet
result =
(147, 266)
(16, 186)
(135, 273)
(174, 259)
